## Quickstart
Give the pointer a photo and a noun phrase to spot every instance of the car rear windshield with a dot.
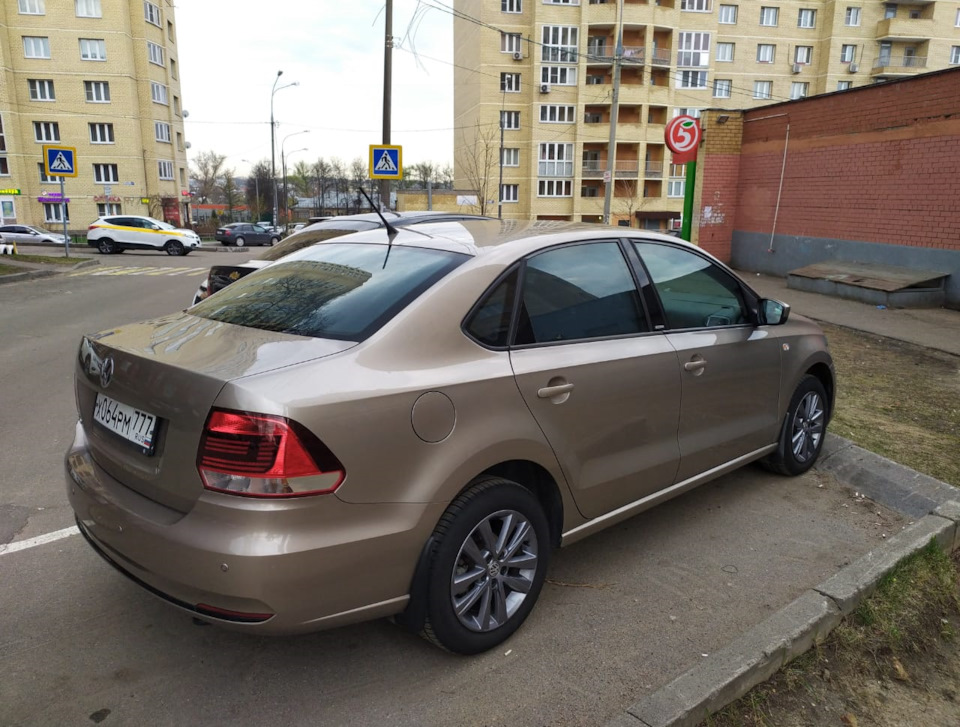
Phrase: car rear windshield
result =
(340, 291)
(317, 233)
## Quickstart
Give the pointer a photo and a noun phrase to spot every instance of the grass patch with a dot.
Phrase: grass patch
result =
(46, 259)
(899, 400)
(9, 269)
(908, 616)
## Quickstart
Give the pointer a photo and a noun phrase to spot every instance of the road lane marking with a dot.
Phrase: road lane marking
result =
(39, 540)
(152, 271)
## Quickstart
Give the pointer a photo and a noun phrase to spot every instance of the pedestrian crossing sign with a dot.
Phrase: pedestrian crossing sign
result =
(60, 161)
(386, 162)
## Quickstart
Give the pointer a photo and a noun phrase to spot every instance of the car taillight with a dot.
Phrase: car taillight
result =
(93, 227)
(228, 232)
(262, 455)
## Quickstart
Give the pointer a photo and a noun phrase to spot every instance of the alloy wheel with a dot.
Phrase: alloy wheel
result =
(807, 431)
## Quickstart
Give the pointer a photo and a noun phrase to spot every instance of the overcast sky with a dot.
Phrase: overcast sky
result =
(229, 53)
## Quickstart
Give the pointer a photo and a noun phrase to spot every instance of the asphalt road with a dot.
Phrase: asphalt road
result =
(622, 612)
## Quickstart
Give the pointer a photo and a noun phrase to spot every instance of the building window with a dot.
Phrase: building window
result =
(173, 68)
(687, 111)
(766, 53)
(93, 50)
(41, 90)
(558, 75)
(510, 119)
(559, 44)
(510, 82)
(509, 42)
(162, 131)
(105, 173)
(36, 47)
(170, 31)
(958, 19)
(101, 133)
(591, 191)
(165, 169)
(179, 141)
(769, 16)
(556, 114)
(852, 17)
(803, 54)
(696, 6)
(183, 177)
(4, 167)
(693, 50)
(844, 85)
(32, 7)
(799, 89)
(97, 91)
(889, 11)
(725, 52)
(176, 105)
(155, 53)
(692, 79)
(675, 184)
(807, 18)
(151, 13)
(556, 160)
(511, 158)
(88, 9)
(721, 88)
(158, 92)
(509, 192)
(109, 208)
(847, 53)
(44, 177)
(762, 89)
(728, 15)
(511, 6)
(45, 131)
(53, 212)
(554, 188)
(561, 2)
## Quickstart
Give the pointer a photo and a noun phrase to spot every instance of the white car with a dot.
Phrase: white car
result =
(116, 233)
(25, 233)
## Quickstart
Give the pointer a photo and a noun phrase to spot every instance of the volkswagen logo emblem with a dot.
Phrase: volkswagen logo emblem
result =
(106, 372)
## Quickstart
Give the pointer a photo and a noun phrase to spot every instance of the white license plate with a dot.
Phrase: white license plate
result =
(132, 424)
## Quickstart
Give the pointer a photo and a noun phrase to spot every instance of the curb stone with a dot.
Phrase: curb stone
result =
(756, 655)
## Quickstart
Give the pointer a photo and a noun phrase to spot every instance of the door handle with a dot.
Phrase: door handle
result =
(697, 364)
(548, 392)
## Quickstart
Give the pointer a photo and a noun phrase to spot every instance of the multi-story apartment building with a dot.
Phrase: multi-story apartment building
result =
(547, 71)
(100, 76)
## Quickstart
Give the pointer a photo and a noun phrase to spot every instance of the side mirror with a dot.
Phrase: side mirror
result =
(773, 312)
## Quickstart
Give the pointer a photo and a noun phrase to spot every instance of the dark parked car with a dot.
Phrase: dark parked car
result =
(245, 233)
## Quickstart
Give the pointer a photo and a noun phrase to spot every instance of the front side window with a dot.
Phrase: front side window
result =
(105, 173)
(807, 18)
(32, 7)
(101, 133)
(41, 90)
(45, 131)
(554, 114)
(339, 291)
(852, 16)
(509, 192)
(510, 82)
(97, 91)
(728, 15)
(92, 49)
(725, 52)
(88, 9)
(576, 293)
(694, 292)
(721, 88)
(36, 46)
(509, 42)
(559, 44)
(769, 16)
(556, 160)
(762, 89)
(510, 119)
(766, 52)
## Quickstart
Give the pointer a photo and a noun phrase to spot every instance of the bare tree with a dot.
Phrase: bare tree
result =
(207, 169)
(339, 173)
(628, 201)
(259, 189)
(321, 177)
(423, 172)
(478, 159)
(358, 175)
(445, 176)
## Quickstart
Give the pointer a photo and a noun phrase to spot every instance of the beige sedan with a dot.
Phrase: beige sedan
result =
(407, 422)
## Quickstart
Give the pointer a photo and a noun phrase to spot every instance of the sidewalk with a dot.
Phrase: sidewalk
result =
(936, 328)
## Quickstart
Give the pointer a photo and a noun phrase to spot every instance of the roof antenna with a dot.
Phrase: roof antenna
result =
(391, 230)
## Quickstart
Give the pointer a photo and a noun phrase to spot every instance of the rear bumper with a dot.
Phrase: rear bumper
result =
(271, 567)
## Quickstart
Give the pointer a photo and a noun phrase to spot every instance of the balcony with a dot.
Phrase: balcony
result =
(898, 66)
(596, 169)
(604, 54)
(907, 30)
(660, 57)
(653, 170)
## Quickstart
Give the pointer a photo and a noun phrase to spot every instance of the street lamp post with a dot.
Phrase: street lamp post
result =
(273, 143)
(284, 169)
(256, 181)
(283, 160)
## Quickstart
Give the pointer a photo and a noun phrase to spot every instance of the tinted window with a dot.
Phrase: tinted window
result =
(317, 233)
(330, 291)
(577, 292)
(490, 322)
(694, 292)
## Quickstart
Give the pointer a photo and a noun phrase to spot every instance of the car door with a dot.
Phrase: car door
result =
(603, 387)
(730, 367)
(258, 235)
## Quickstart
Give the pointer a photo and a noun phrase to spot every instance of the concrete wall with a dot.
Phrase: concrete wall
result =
(869, 175)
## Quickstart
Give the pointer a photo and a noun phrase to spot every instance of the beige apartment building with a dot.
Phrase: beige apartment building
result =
(548, 69)
(100, 76)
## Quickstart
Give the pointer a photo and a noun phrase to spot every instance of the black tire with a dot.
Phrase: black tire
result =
(239, 242)
(174, 247)
(106, 246)
(499, 596)
(803, 430)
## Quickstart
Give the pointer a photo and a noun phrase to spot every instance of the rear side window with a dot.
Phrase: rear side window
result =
(338, 291)
(490, 322)
(318, 233)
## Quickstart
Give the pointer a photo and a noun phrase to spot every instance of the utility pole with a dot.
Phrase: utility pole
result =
(387, 87)
(610, 177)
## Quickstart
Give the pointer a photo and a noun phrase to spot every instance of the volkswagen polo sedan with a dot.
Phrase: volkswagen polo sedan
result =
(406, 422)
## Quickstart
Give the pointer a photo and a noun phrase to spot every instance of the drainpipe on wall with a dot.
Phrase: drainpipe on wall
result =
(783, 168)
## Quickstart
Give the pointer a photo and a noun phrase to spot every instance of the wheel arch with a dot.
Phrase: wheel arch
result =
(824, 374)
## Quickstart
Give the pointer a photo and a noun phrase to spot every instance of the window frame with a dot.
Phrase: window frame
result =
(511, 156)
(568, 111)
(511, 43)
(767, 95)
(799, 85)
(853, 12)
(954, 55)
(34, 85)
(559, 44)
(100, 178)
(91, 89)
(717, 87)
(844, 47)
(101, 126)
(23, 7)
(506, 117)
(803, 54)
(85, 46)
(156, 51)
(808, 12)
(696, 6)
(766, 12)
(41, 129)
(511, 6)
(42, 40)
(152, 13)
(155, 86)
(556, 159)
(44, 177)
(725, 45)
(96, 12)
(57, 218)
(510, 82)
(162, 138)
(685, 77)
(162, 166)
(515, 188)
(725, 9)
(762, 49)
